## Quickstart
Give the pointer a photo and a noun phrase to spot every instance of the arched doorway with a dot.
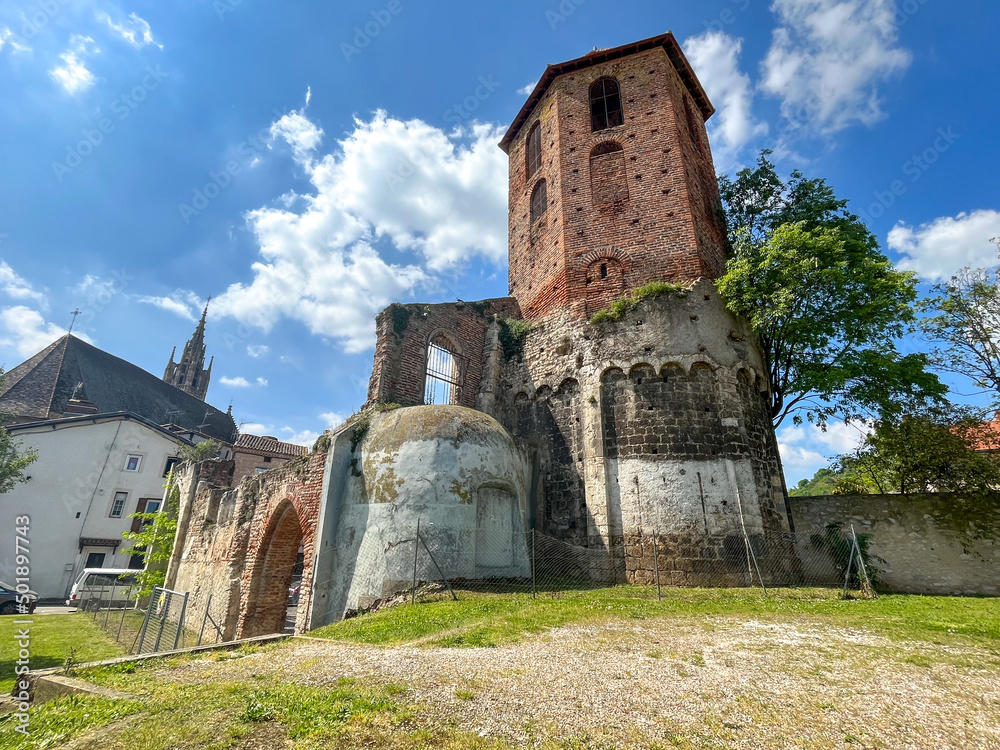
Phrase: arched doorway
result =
(273, 570)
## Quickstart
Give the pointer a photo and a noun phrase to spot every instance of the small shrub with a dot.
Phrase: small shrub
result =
(623, 305)
(361, 428)
(257, 710)
(400, 318)
(840, 547)
(512, 336)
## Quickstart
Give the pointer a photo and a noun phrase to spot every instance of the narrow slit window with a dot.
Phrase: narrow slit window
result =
(534, 154)
(606, 105)
(442, 376)
(539, 201)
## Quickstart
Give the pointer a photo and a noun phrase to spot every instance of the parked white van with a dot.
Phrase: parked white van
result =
(102, 587)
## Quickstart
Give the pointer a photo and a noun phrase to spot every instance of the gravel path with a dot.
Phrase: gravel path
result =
(722, 683)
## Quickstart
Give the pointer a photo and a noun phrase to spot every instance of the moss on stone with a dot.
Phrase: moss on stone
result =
(624, 305)
(400, 318)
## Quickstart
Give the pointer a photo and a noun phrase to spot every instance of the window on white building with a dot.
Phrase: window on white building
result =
(133, 462)
(118, 506)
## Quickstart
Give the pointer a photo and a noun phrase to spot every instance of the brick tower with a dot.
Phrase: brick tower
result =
(612, 184)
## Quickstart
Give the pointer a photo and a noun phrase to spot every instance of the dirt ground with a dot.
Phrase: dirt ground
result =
(718, 683)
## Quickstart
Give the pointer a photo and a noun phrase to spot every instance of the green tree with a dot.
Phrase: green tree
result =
(201, 451)
(964, 326)
(826, 304)
(13, 460)
(929, 452)
(155, 539)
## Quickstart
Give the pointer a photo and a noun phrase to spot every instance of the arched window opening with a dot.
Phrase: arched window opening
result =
(534, 152)
(539, 201)
(606, 105)
(605, 282)
(608, 174)
(442, 375)
(604, 270)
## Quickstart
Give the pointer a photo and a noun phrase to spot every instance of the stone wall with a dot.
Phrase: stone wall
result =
(931, 544)
(404, 333)
(238, 546)
(652, 424)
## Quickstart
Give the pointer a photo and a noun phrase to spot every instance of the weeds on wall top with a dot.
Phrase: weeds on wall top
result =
(512, 336)
(624, 305)
(400, 318)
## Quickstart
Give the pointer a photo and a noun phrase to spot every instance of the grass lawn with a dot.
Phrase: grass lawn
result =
(267, 696)
(504, 619)
(53, 637)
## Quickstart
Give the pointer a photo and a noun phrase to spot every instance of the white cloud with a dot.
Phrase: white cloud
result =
(257, 351)
(828, 58)
(239, 382)
(333, 419)
(185, 304)
(73, 75)
(262, 382)
(441, 198)
(17, 287)
(254, 428)
(716, 57)
(9, 39)
(27, 331)
(300, 133)
(938, 249)
(806, 448)
(307, 438)
(526, 91)
(135, 30)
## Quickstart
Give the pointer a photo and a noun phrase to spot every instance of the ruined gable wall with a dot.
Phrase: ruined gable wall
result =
(404, 332)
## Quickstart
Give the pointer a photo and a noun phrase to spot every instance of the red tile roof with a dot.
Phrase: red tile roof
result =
(269, 445)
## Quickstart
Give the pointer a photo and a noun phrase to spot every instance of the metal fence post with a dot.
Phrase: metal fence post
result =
(121, 624)
(534, 589)
(180, 622)
(416, 549)
(204, 619)
(141, 638)
(163, 620)
(438, 568)
(656, 567)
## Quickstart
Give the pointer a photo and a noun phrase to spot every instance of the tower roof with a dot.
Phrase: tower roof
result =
(666, 41)
(44, 384)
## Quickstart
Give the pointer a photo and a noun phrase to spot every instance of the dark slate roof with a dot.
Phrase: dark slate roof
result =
(269, 445)
(40, 388)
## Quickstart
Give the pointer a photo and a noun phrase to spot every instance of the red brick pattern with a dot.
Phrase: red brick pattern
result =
(404, 331)
(668, 226)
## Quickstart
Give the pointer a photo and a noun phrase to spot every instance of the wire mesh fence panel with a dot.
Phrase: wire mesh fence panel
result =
(163, 625)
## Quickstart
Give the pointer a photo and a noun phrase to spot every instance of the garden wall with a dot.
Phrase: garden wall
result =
(931, 544)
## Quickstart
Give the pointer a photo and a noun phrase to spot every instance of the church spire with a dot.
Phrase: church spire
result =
(190, 375)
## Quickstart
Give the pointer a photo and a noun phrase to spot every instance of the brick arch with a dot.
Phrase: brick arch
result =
(451, 343)
(266, 600)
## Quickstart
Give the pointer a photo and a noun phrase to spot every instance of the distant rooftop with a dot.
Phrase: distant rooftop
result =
(70, 371)
(270, 445)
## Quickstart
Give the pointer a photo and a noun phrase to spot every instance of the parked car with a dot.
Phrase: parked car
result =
(9, 600)
(102, 587)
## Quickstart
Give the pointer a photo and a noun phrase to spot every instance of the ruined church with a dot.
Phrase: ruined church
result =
(610, 398)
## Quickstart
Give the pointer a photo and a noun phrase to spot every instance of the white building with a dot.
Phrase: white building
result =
(92, 474)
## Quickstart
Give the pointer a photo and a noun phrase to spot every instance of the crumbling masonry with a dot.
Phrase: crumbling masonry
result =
(610, 397)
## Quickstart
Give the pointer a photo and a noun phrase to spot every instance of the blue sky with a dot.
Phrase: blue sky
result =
(308, 163)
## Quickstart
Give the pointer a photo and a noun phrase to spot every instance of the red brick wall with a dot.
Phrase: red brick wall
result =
(404, 331)
(667, 228)
(286, 513)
